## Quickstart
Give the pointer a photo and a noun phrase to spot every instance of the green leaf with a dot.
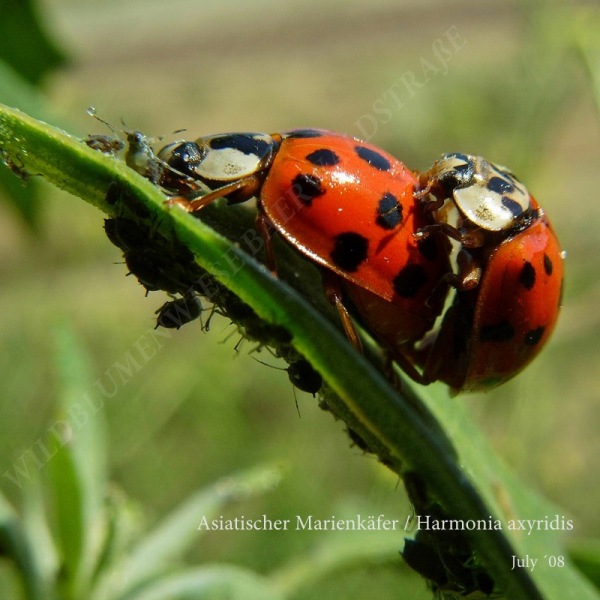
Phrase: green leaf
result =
(215, 581)
(421, 431)
(37, 529)
(510, 500)
(166, 543)
(15, 544)
(33, 55)
(586, 555)
(76, 468)
(23, 63)
(335, 555)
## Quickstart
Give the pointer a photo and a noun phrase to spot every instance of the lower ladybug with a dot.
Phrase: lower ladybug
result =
(508, 277)
(344, 204)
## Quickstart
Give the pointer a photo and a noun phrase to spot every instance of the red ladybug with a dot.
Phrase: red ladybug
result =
(508, 277)
(344, 204)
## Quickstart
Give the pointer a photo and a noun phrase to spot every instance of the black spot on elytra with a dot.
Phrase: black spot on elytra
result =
(349, 250)
(247, 143)
(306, 188)
(515, 208)
(323, 157)
(428, 248)
(500, 185)
(373, 158)
(548, 266)
(389, 212)
(498, 332)
(534, 336)
(304, 133)
(527, 276)
(410, 280)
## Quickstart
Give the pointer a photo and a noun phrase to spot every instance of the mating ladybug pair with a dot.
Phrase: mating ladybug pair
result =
(393, 244)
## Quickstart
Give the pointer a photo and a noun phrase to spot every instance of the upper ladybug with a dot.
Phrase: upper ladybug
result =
(346, 205)
(508, 272)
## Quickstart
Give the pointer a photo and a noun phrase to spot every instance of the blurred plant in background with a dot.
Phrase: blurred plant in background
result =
(78, 537)
(23, 68)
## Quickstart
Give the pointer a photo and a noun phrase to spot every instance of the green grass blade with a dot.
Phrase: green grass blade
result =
(76, 469)
(586, 555)
(214, 581)
(335, 555)
(38, 531)
(17, 546)
(165, 544)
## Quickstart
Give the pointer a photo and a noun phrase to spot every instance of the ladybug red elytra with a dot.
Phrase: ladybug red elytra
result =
(344, 204)
(508, 277)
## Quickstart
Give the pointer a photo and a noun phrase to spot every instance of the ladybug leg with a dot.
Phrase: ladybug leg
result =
(265, 228)
(469, 238)
(244, 189)
(467, 278)
(469, 272)
(440, 290)
(431, 203)
(333, 293)
(422, 193)
(407, 367)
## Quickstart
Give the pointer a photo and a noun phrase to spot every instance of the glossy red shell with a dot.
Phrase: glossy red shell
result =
(358, 193)
(492, 332)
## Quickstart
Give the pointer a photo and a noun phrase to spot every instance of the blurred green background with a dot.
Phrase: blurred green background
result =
(517, 82)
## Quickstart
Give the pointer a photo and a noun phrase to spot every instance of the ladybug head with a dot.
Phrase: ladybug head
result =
(217, 159)
(487, 195)
(182, 159)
